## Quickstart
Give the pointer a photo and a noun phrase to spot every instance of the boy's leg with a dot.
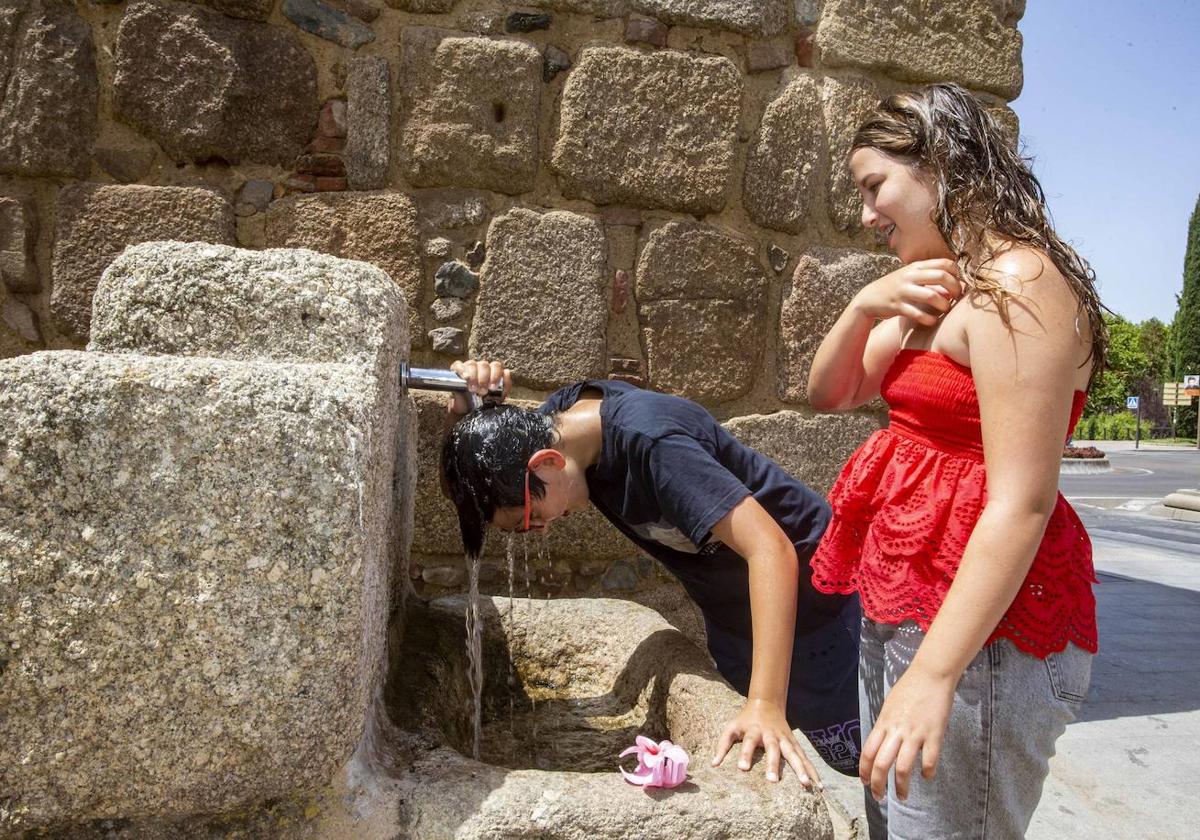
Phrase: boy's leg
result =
(823, 700)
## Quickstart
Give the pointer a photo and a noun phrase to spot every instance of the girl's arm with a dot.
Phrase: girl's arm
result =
(849, 366)
(774, 573)
(1025, 380)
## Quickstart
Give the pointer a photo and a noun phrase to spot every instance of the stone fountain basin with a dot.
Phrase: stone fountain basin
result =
(567, 685)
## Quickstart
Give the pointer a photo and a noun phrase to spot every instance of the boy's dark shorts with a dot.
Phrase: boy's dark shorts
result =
(823, 690)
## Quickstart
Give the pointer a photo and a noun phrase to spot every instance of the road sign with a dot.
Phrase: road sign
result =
(1192, 380)
(1131, 403)
(1173, 394)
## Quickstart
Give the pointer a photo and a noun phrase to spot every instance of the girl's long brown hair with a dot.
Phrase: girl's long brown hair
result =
(986, 194)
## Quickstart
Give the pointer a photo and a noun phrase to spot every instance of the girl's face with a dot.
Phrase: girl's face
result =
(899, 202)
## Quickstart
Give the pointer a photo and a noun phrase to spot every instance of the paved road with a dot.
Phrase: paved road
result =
(1127, 767)
(1138, 474)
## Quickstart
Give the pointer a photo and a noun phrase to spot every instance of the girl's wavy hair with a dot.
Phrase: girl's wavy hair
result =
(986, 193)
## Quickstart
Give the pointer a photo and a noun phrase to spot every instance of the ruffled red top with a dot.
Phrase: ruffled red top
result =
(906, 503)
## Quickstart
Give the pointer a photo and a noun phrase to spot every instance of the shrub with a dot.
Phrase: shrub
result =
(1119, 426)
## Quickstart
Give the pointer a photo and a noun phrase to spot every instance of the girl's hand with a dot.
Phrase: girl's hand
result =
(481, 377)
(764, 723)
(922, 291)
(913, 719)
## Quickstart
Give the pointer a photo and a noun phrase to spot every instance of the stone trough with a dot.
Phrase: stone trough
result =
(567, 685)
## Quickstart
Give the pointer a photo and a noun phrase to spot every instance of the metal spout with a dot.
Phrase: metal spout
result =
(432, 379)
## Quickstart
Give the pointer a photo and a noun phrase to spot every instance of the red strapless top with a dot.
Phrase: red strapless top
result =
(906, 503)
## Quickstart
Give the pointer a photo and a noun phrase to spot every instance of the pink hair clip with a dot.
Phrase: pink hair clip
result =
(659, 765)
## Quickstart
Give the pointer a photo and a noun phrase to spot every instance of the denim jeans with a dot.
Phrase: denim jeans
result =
(1009, 709)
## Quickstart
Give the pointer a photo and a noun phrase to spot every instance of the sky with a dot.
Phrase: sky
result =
(1110, 112)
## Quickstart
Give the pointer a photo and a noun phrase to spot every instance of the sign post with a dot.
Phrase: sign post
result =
(1135, 404)
(1191, 388)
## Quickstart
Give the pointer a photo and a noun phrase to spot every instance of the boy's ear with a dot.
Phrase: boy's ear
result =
(552, 457)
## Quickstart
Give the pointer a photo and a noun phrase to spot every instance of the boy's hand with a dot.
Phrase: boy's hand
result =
(481, 376)
(762, 723)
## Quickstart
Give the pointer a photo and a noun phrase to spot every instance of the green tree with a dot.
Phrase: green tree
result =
(1155, 341)
(1127, 364)
(1185, 332)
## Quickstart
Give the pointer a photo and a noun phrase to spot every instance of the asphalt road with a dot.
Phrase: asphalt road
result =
(1138, 475)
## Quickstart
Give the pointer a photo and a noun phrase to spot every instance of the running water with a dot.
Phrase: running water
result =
(510, 552)
(528, 624)
(474, 654)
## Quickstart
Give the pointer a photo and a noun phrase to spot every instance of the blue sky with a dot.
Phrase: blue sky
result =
(1110, 112)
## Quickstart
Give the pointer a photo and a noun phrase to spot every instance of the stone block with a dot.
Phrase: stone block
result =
(439, 247)
(972, 42)
(542, 285)
(639, 30)
(701, 294)
(526, 22)
(368, 123)
(596, 8)
(652, 130)
(19, 318)
(284, 305)
(600, 670)
(471, 111)
(824, 282)
(207, 86)
(257, 193)
(249, 9)
(127, 162)
(453, 279)
(378, 228)
(846, 103)
(447, 340)
(554, 61)
(95, 223)
(812, 449)
(423, 6)
(327, 22)
(20, 331)
(364, 10)
(584, 537)
(18, 241)
(769, 56)
(446, 309)
(785, 159)
(808, 12)
(449, 209)
(48, 90)
(196, 606)
(166, 650)
(762, 18)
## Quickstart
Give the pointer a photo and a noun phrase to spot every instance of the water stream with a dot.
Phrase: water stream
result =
(474, 654)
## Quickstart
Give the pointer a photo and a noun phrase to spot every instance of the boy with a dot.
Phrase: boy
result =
(730, 524)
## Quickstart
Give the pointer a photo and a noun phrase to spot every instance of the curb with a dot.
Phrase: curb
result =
(1084, 466)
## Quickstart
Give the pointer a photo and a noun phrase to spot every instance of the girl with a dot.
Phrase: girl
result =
(974, 573)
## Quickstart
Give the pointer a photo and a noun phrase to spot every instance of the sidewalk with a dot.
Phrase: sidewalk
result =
(1127, 767)
(1127, 446)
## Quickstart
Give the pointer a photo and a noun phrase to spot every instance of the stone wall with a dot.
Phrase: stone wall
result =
(652, 190)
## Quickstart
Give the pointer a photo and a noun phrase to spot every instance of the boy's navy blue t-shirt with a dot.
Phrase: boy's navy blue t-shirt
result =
(668, 472)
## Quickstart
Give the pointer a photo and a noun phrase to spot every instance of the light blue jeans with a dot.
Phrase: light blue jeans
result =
(1009, 709)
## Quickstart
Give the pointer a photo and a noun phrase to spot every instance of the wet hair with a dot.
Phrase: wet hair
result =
(985, 192)
(484, 460)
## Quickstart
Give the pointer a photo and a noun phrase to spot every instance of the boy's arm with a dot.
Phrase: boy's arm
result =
(750, 531)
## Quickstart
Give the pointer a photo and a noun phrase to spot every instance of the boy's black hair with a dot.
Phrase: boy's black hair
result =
(483, 464)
